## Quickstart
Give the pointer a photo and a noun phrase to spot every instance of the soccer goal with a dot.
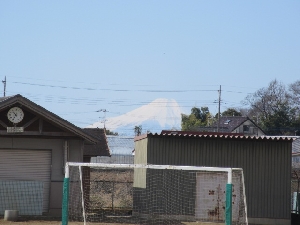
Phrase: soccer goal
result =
(152, 194)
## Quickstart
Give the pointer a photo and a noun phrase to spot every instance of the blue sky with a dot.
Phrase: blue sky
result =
(76, 57)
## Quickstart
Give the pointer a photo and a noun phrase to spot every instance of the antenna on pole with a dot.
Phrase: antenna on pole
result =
(4, 83)
(219, 109)
(103, 110)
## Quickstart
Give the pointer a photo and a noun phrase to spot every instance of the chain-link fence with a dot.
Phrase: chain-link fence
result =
(295, 191)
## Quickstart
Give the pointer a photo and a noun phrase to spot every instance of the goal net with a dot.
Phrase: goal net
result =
(152, 194)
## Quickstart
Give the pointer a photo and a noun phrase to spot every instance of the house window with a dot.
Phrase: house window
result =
(246, 128)
(227, 122)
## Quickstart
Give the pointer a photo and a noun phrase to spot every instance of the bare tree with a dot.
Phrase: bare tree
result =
(266, 101)
(294, 89)
(273, 108)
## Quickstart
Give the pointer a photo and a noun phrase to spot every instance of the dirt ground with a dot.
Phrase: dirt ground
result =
(30, 222)
(44, 222)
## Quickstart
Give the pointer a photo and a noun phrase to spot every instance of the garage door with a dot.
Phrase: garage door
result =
(25, 181)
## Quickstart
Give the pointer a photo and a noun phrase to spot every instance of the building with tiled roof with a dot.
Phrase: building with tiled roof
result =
(100, 148)
(35, 145)
(235, 124)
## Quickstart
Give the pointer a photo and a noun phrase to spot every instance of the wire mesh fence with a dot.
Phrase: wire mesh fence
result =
(152, 195)
(295, 191)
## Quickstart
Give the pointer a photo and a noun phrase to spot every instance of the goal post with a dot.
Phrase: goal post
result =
(94, 192)
(65, 200)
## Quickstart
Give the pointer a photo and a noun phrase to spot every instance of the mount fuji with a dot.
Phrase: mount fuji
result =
(160, 114)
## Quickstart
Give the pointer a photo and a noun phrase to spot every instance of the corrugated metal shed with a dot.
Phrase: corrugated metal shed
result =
(114, 159)
(266, 162)
(296, 153)
(296, 145)
(213, 135)
(121, 150)
(120, 145)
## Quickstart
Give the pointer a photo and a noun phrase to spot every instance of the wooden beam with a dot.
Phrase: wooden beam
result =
(37, 133)
(40, 125)
(3, 124)
(30, 122)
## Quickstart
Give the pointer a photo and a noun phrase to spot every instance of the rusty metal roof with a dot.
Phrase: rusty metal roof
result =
(212, 135)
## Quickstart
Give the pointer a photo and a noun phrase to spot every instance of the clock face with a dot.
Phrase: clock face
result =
(15, 114)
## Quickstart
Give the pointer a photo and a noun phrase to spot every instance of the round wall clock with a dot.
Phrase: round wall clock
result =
(15, 114)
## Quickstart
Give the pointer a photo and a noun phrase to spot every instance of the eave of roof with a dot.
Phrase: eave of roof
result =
(214, 136)
(235, 122)
(251, 122)
(10, 100)
(6, 97)
(101, 147)
(240, 121)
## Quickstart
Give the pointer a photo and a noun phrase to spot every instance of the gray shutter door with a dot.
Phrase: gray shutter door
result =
(25, 180)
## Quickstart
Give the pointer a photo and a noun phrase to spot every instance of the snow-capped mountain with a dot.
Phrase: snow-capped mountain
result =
(161, 114)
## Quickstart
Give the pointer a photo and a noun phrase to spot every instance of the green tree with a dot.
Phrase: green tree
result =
(198, 117)
(279, 123)
(189, 122)
(108, 132)
(231, 112)
(138, 130)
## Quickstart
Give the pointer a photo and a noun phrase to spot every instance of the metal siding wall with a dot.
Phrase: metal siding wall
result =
(75, 150)
(296, 145)
(119, 159)
(266, 164)
(140, 155)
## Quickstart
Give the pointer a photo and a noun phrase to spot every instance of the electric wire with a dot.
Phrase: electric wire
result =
(124, 102)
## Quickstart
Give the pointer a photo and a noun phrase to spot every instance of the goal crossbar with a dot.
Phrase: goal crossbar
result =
(214, 169)
(228, 208)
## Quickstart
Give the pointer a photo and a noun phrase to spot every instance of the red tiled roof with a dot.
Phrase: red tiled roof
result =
(198, 133)
(212, 135)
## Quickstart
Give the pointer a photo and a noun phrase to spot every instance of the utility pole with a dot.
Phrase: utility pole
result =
(219, 109)
(4, 83)
(103, 110)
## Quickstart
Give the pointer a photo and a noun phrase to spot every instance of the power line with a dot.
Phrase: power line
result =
(108, 89)
(119, 102)
(91, 101)
(115, 84)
